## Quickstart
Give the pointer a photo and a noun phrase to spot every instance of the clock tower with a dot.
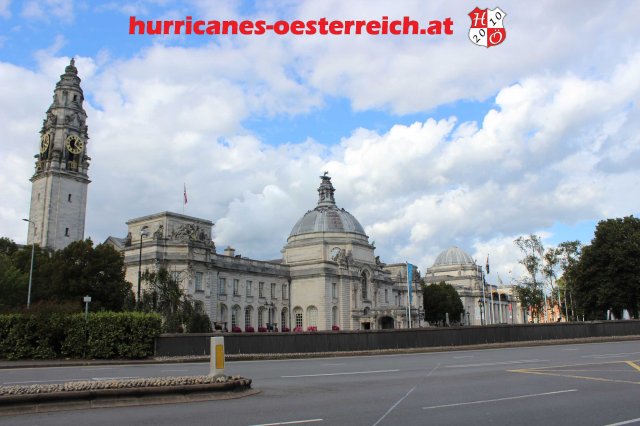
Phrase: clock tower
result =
(60, 182)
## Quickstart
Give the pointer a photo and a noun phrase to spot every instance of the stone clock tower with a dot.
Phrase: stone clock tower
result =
(60, 182)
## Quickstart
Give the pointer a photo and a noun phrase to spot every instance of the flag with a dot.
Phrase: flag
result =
(409, 280)
(487, 265)
(185, 194)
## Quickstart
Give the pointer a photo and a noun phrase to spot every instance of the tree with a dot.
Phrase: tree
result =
(65, 276)
(607, 274)
(529, 290)
(163, 294)
(570, 252)
(440, 299)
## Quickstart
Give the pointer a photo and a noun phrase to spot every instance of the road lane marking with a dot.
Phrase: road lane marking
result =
(295, 422)
(406, 395)
(533, 395)
(465, 356)
(488, 364)
(611, 355)
(172, 371)
(340, 374)
(97, 368)
(627, 422)
(330, 365)
(633, 364)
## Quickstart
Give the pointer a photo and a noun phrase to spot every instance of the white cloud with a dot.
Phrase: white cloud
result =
(47, 10)
(559, 145)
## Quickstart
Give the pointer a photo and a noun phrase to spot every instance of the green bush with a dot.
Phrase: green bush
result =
(54, 335)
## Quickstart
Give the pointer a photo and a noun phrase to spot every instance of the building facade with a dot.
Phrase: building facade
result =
(328, 276)
(483, 303)
(60, 182)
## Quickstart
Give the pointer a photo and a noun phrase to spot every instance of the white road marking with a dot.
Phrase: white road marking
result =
(97, 368)
(340, 374)
(488, 364)
(406, 395)
(611, 355)
(329, 365)
(465, 356)
(170, 371)
(570, 349)
(499, 399)
(628, 422)
(295, 422)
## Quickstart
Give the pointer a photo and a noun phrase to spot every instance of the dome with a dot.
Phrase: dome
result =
(453, 256)
(327, 217)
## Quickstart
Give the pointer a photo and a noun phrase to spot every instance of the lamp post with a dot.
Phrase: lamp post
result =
(143, 234)
(481, 305)
(33, 246)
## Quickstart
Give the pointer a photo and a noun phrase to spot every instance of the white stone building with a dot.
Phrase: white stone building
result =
(328, 276)
(483, 303)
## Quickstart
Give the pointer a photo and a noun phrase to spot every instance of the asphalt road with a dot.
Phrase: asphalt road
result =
(585, 384)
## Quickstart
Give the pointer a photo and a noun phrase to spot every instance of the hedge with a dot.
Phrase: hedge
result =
(55, 335)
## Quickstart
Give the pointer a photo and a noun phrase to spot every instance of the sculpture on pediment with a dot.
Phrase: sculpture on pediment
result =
(159, 233)
(189, 232)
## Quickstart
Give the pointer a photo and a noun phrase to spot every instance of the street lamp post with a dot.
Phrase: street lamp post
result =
(33, 246)
(481, 306)
(143, 233)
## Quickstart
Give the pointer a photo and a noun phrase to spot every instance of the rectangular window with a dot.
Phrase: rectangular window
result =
(285, 293)
(261, 289)
(273, 290)
(386, 296)
(66, 232)
(236, 287)
(334, 290)
(69, 198)
(222, 286)
(199, 276)
(249, 288)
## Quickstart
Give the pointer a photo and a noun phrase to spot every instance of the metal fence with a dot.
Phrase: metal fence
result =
(337, 341)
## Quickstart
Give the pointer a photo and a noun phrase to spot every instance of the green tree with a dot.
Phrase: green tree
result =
(440, 299)
(163, 294)
(607, 275)
(570, 252)
(64, 277)
(529, 290)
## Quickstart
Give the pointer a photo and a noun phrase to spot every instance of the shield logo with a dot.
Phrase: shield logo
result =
(487, 28)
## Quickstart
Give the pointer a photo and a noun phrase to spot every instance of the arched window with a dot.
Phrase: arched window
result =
(222, 317)
(312, 316)
(235, 316)
(248, 311)
(284, 318)
(334, 316)
(364, 286)
(261, 316)
(297, 313)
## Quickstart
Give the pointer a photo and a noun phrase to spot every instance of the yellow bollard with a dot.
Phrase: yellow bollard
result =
(216, 363)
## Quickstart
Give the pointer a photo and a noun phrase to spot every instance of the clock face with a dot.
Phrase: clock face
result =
(74, 144)
(45, 140)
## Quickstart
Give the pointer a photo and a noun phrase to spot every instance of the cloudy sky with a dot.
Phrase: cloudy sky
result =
(431, 141)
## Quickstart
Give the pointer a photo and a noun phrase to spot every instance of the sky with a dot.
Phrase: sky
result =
(431, 141)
